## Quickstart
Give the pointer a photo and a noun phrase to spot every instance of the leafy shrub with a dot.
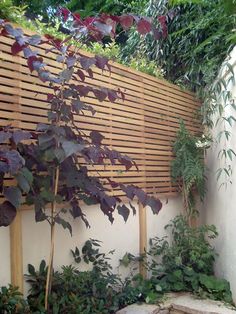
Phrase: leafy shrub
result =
(12, 302)
(187, 263)
(84, 292)
(187, 168)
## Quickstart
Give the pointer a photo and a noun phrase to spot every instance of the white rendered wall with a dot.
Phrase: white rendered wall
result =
(121, 236)
(220, 206)
(5, 272)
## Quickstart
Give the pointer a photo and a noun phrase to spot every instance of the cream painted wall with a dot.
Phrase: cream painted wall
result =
(5, 275)
(123, 237)
(220, 207)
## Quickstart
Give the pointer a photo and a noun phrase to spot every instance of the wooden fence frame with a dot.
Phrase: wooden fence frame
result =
(148, 100)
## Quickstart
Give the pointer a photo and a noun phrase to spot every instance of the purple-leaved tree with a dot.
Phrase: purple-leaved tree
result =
(45, 163)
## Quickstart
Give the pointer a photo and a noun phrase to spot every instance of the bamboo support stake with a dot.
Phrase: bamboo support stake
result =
(142, 237)
(16, 252)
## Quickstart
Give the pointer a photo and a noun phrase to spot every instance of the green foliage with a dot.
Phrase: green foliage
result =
(187, 168)
(11, 12)
(86, 292)
(12, 302)
(186, 264)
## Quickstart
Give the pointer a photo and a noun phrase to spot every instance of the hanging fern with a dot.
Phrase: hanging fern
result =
(187, 169)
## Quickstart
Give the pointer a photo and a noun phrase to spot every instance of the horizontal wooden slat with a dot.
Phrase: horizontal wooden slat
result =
(142, 126)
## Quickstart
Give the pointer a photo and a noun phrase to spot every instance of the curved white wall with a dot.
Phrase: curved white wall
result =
(220, 205)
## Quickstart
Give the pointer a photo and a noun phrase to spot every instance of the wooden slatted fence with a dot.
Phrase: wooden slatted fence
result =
(143, 126)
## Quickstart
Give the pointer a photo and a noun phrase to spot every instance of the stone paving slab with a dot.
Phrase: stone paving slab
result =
(140, 309)
(180, 303)
(191, 305)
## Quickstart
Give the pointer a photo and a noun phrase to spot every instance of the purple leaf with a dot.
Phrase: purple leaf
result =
(81, 75)
(34, 40)
(7, 214)
(71, 148)
(112, 95)
(96, 137)
(155, 204)
(129, 191)
(133, 208)
(141, 195)
(123, 211)
(101, 62)
(100, 94)
(16, 48)
(11, 161)
(70, 61)
(19, 136)
(86, 62)
(13, 195)
(4, 136)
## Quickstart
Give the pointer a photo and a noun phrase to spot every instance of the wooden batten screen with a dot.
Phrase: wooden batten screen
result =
(143, 126)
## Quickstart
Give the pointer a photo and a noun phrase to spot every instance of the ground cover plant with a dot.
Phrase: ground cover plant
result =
(186, 263)
(45, 163)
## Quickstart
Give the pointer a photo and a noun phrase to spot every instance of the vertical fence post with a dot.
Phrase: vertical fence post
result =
(142, 237)
(16, 252)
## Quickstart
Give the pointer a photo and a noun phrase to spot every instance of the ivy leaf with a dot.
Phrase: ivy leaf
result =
(123, 211)
(71, 148)
(13, 195)
(7, 214)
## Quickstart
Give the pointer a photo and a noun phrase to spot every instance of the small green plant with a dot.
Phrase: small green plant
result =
(187, 263)
(12, 302)
(187, 168)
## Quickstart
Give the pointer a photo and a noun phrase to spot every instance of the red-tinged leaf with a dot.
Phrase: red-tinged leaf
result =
(100, 94)
(65, 13)
(31, 61)
(76, 16)
(96, 137)
(3, 32)
(144, 27)
(126, 21)
(7, 214)
(162, 19)
(113, 183)
(50, 97)
(81, 75)
(123, 211)
(16, 48)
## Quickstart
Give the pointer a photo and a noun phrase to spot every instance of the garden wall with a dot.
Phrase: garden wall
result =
(142, 126)
(123, 237)
(219, 206)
